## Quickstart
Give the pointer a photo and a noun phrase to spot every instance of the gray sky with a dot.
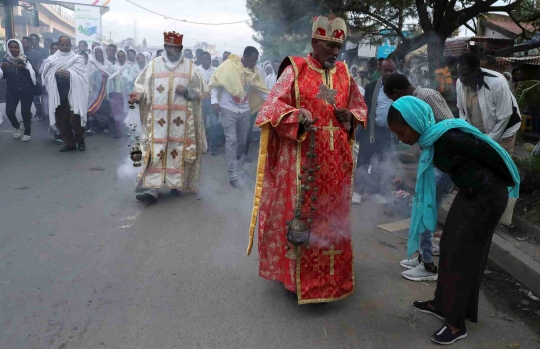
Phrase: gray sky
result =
(234, 38)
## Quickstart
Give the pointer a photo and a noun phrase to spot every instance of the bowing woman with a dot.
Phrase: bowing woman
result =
(484, 174)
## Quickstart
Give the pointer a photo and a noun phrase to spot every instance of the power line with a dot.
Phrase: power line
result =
(183, 20)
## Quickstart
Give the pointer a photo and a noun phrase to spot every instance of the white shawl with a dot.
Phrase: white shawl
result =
(148, 57)
(94, 64)
(207, 73)
(171, 65)
(118, 69)
(21, 58)
(78, 91)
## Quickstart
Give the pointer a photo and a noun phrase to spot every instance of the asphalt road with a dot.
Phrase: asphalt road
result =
(84, 265)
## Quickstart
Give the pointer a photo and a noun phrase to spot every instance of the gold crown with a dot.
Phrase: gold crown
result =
(173, 38)
(329, 29)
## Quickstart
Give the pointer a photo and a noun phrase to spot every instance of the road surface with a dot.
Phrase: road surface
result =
(84, 265)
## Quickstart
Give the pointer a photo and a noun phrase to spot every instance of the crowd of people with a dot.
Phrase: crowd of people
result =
(310, 109)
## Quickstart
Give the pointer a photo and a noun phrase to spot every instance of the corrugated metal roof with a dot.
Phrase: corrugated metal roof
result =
(534, 60)
(511, 26)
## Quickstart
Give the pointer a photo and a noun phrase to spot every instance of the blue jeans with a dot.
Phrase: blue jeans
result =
(444, 186)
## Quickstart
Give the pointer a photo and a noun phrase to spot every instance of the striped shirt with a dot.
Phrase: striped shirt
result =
(436, 102)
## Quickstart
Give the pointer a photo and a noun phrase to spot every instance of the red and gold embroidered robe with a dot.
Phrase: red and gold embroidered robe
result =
(325, 271)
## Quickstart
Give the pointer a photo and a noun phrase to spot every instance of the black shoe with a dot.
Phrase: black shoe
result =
(445, 336)
(146, 198)
(67, 148)
(214, 152)
(423, 307)
(235, 182)
(81, 146)
(175, 192)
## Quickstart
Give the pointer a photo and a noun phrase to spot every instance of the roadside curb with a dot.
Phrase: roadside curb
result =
(506, 254)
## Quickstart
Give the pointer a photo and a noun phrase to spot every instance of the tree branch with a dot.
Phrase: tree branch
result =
(423, 16)
(383, 21)
(506, 8)
(438, 12)
(470, 28)
(523, 30)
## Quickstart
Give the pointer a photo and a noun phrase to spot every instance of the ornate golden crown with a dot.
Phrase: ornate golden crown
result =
(329, 29)
(173, 38)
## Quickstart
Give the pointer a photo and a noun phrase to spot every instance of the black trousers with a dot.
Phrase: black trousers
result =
(69, 125)
(39, 106)
(465, 244)
(12, 101)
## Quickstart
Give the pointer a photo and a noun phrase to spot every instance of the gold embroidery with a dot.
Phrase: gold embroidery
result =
(160, 88)
(178, 121)
(161, 122)
(332, 253)
(331, 129)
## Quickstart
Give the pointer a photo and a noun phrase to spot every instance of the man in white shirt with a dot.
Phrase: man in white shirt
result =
(484, 99)
(271, 79)
(237, 91)
(211, 122)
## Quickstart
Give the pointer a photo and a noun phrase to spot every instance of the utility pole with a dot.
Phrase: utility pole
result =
(9, 19)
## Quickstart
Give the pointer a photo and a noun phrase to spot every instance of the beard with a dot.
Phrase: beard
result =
(329, 65)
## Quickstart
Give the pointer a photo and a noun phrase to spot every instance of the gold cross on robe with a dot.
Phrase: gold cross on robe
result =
(332, 254)
(330, 128)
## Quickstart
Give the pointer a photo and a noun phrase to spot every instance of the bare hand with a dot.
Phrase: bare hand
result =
(343, 115)
(181, 90)
(104, 75)
(307, 120)
(134, 97)
(5, 65)
(21, 65)
(216, 109)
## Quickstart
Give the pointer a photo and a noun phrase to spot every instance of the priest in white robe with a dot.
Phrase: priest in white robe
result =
(169, 91)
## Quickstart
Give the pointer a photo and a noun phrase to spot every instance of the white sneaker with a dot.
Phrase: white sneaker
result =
(18, 133)
(420, 274)
(356, 199)
(410, 263)
(25, 138)
(436, 248)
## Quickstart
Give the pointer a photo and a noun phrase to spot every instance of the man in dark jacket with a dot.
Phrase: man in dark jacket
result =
(377, 138)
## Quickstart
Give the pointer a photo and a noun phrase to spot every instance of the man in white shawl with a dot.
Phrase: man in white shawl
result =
(65, 76)
(169, 91)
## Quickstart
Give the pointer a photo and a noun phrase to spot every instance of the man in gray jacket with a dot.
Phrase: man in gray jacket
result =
(484, 99)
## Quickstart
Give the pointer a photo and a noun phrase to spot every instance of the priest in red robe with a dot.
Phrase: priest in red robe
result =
(314, 94)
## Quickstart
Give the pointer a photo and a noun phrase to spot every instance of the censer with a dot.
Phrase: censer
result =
(298, 230)
(135, 143)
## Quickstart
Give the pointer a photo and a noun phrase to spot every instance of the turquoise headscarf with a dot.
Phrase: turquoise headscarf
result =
(419, 115)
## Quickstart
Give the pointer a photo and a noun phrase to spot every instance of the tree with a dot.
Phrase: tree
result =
(283, 27)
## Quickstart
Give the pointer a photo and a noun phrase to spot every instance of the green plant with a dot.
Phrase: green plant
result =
(529, 169)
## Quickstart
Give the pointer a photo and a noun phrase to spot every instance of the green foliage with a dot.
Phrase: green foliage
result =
(529, 169)
(283, 27)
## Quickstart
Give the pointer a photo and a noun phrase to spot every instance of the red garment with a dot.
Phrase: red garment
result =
(282, 155)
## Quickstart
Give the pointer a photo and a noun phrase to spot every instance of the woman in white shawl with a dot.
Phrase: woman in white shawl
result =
(99, 69)
(143, 59)
(121, 83)
(21, 81)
